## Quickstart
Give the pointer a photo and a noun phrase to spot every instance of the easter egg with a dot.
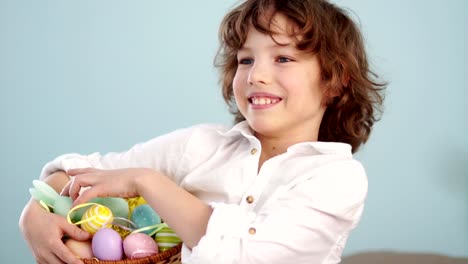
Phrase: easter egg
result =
(77, 214)
(107, 245)
(96, 217)
(166, 238)
(139, 245)
(81, 249)
(144, 216)
(43, 192)
(62, 205)
(117, 205)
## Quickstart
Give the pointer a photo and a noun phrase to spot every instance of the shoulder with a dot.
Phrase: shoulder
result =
(337, 171)
(332, 183)
(328, 166)
(342, 185)
(346, 168)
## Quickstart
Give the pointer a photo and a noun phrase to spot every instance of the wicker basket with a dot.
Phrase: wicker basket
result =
(170, 256)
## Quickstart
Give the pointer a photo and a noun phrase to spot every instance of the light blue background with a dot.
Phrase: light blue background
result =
(85, 76)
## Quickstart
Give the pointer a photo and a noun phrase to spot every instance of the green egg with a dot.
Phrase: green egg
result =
(166, 238)
(78, 214)
(35, 194)
(144, 216)
(62, 205)
(43, 192)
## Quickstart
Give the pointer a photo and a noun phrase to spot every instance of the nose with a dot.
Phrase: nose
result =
(259, 74)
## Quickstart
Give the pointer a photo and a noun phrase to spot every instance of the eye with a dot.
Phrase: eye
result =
(245, 61)
(283, 59)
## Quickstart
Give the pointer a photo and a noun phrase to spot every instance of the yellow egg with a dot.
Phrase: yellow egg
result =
(96, 217)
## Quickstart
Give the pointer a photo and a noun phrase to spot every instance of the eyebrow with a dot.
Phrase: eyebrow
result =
(272, 46)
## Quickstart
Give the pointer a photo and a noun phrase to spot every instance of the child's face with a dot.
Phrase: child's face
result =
(277, 88)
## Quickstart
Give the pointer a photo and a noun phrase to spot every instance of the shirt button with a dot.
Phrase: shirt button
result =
(252, 231)
(253, 151)
(249, 199)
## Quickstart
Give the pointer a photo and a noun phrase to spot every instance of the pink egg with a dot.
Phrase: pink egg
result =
(107, 244)
(139, 245)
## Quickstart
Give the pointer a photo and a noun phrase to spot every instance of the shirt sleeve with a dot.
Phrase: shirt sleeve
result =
(162, 153)
(301, 223)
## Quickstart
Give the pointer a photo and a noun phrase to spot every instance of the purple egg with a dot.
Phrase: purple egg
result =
(107, 245)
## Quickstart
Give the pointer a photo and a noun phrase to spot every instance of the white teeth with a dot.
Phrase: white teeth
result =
(264, 101)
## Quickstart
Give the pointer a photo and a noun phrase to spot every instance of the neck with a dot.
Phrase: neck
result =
(275, 145)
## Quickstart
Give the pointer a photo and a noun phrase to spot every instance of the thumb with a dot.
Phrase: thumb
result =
(75, 232)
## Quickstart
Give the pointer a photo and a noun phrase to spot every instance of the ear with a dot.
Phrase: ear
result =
(328, 95)
(334, 91)
(345, 79)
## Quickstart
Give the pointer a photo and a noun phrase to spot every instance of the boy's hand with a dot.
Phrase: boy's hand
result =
(103, 183)
(43, 232)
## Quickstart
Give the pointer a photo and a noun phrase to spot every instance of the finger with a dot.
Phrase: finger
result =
(74, 188)
(60, 251)
(50, 258)
(66, 189)
(73, 172)
(80, 181)
(44, 256)
(89, 194)
(74, 232)
(65, 255)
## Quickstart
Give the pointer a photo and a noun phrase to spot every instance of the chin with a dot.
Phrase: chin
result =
(264, 127)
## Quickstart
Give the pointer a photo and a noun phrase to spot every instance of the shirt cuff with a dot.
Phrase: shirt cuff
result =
(71, 161)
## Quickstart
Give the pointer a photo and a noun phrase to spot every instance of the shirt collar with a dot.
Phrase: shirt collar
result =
(241, 128)
(317, 147)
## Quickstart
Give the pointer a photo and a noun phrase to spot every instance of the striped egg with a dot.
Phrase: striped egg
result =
(96, 217)
(166, 238)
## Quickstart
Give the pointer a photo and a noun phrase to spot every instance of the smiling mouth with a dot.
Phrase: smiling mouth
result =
(264, 100)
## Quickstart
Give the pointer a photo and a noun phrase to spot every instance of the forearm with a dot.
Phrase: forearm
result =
(182, 211)
(57, 180)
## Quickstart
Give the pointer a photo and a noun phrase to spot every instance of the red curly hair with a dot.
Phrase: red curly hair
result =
(328, 32)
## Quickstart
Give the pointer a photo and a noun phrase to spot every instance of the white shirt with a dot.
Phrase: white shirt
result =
(299, 208)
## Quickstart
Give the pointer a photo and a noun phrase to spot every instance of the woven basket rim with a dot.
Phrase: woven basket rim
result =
(149, 259)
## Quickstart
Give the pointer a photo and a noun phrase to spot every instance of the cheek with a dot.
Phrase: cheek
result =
(237, 85)
(304, 89)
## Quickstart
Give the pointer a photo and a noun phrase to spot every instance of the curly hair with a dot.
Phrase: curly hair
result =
(328, 32)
